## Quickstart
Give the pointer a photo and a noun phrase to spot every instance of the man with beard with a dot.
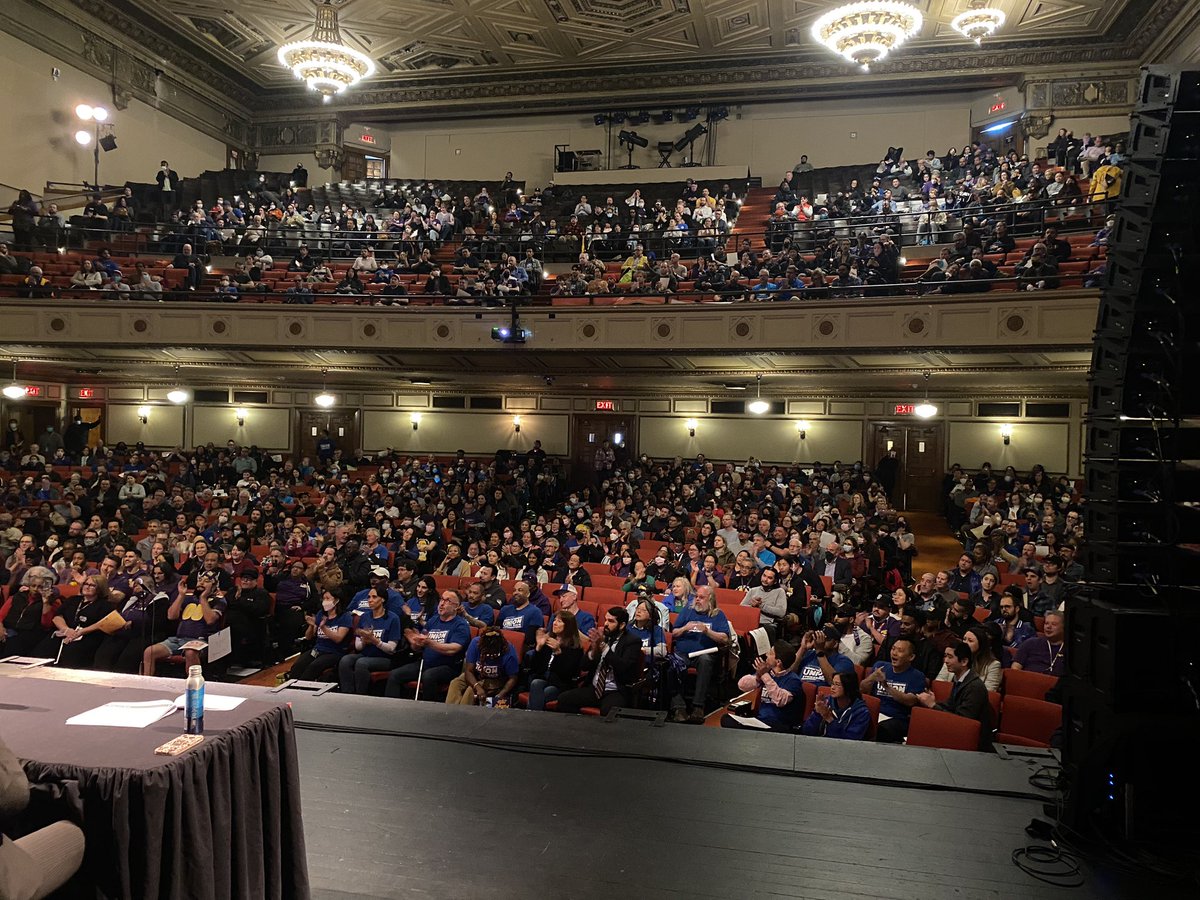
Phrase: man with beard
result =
(615, 658)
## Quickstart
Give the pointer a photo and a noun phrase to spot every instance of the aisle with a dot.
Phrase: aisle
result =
(937, 548)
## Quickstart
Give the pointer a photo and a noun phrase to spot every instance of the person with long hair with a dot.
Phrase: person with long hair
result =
(422, 605)
(843, 714)
(77, 634)
(984, 661)
(781, 691)
(31, 612)
(556, 660)
(489, 671)
(330, 627)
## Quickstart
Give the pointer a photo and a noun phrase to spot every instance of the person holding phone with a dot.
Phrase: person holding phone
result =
(200, 614)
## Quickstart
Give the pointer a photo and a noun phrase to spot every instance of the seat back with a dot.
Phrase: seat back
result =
(1025, 717)
(1019, 683)
(873, 704)
(934, 728)
(517, 640)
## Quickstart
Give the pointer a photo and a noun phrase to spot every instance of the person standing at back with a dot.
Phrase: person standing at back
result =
(168, 184)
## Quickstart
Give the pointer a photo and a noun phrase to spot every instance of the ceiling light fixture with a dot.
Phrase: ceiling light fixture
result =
(758, 405)
(14, 391)
(925, 409)
(867, 31)
(324, 61)
(978, 22)
(177, 394)
(324, 399)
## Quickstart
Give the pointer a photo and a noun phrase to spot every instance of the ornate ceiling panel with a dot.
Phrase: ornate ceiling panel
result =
(429, 36)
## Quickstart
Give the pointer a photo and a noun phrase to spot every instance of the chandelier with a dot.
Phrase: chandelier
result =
(867, 31)
(978, 22)
(324, 61)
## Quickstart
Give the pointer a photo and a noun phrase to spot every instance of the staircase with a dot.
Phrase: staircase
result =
(752, 217)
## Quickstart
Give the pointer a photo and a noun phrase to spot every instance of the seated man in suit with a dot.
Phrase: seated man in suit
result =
(615, 663)
(968, 696)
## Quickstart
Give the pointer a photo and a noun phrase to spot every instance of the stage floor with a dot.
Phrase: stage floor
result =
(420, 800)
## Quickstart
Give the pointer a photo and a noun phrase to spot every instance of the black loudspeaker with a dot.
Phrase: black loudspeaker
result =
(1132, 694)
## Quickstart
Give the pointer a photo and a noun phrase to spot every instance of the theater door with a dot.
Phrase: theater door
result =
(920, 460)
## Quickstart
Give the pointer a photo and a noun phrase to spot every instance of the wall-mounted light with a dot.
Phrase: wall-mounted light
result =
(143, 414)
(240, 414)
(517, 424)
(690, 424)
(415, 418)
(802, 428)
(618, 439)
(1006, 433)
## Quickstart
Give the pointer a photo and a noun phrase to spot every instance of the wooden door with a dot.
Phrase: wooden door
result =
(589, 432)
(919, 451)
(342, 425)
(89, 414)
(354, 166)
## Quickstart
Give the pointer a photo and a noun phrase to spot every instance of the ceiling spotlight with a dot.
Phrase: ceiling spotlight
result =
(758, 405)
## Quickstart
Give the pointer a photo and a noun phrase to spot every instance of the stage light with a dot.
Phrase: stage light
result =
(99, 113)
(83, 138)
(599, 118)
(84, 112)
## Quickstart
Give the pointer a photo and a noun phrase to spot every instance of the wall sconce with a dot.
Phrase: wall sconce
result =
(802, 428)
(143, 413)
(517, 424)
(415, 418)
(240, 415)
(1006, 433)
(690, 424)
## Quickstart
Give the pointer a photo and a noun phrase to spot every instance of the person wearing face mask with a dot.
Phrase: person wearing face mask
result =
(168, 182)
(835, 564)
(662, 567)
(330, 627)
(75, 436)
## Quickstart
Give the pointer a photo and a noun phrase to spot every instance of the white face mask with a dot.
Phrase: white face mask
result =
(660, 560)
(329, 605)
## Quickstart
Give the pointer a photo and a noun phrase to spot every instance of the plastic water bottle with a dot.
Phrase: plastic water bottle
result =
(194, 701)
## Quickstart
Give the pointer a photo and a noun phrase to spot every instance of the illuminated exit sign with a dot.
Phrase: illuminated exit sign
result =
(87, 393)
(33, 390)
(996, 107)
(905, 409)
(370, 138)
(606, 406)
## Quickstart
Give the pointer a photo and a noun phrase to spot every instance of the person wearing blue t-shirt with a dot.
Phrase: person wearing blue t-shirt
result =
(644, 625)
(490, 670)
(377, 635)
(476, 610)
(393, 599)
(781, 694)
(702, 627)
(898, 685)
(330, 627)
(442, 643)
(568, 601)
(843, 714)
(422, 605)
(818, 658)
(521, 615)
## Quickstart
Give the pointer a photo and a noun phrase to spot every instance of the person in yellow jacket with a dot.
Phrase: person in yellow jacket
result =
(1105, 187)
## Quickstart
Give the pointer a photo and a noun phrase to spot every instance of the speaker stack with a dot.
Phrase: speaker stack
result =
(1132, 694)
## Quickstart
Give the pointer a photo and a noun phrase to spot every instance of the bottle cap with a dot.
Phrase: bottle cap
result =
(195, 670)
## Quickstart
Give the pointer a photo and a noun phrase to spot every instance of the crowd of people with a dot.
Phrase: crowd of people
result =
(337, 567)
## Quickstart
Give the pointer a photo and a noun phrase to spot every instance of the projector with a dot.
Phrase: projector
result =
(506, 334)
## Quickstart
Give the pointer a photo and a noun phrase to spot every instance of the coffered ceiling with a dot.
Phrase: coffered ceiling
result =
(439, 57)
(429, 36)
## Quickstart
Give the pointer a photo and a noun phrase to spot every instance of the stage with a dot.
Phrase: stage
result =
(408, 799)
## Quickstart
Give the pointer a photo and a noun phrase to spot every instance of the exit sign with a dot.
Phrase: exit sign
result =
(996, 107)
(606, 406)
(87, 393)
(905, 409)
(33, 390)
(367, 138)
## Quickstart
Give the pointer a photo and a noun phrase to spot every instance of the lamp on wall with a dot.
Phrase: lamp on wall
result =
(143, 414)
(415, 418)
(802, 428)
(1006, 433)
(517, 424)
(240, 414)
(690, 424)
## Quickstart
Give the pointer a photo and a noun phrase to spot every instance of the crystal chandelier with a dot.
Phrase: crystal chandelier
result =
(867, 31)
(324, 61)
(978, 22)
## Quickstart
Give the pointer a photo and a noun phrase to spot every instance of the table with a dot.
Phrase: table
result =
(220, 822)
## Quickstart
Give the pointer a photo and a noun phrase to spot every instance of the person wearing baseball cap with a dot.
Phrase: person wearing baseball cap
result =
(380, 578)
(246, 615)
(819, 657)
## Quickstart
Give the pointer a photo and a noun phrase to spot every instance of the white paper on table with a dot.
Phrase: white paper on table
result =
(212, 702)
(26, 662)
(748, 721)
(125, 715)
